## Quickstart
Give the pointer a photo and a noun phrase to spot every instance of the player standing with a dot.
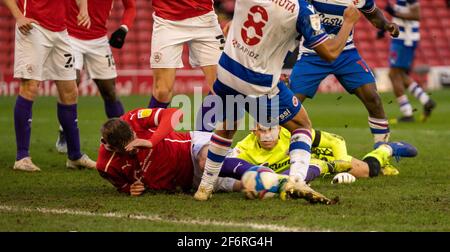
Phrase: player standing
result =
(260, 37)
(92, 50)
(176, 23)
(42, 52)
(406, 13)
(352, 72)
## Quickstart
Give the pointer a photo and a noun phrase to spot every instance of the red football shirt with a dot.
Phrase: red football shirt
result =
(50, 14)
(181, 9)
(167, 166)
(99, 11)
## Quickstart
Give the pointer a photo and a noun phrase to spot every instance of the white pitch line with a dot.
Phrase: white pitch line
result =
(268, 227)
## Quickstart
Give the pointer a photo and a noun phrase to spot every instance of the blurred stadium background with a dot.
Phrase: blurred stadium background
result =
(431, 66)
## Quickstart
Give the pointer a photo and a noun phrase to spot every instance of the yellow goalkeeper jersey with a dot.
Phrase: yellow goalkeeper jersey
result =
(277, 159)
(331, 147)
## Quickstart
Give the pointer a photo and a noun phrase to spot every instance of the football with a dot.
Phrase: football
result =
(260, 182)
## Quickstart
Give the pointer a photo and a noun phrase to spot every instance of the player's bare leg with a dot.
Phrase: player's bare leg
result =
(28, 91)
(300, 155)
(218, 148)
(163, 81)
(210, 73)
(378, 123)
(68, 119)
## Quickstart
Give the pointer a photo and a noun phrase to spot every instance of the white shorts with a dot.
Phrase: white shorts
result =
(200, 139)
(202, 34)
(96, 56)
(43, 55)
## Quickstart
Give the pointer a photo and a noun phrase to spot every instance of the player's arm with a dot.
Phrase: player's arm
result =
(164, 119)
(23, 23)
(377, 18)
(83, 18)
(129, 14)
(330, 49)
(412, 14)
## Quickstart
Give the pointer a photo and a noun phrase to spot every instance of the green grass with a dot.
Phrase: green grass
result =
(416, 200)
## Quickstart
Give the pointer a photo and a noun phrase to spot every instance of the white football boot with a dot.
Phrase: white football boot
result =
(25, 164)
(203, 193)
(83, 162)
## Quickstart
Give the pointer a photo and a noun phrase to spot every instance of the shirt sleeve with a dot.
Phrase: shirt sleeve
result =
(129, 14)
(309, 26)
(368, 7)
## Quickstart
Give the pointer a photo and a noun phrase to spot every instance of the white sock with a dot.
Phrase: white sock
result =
(224, 184)
(300, 153)
(217, 150)
(405, 106)
(419, 93)
(379, 129)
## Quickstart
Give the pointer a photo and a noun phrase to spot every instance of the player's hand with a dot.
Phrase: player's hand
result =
(138, 143)
(137, 188)
(389, 9)
(83, 18)
(118, 38)
(393, 29)
(351, 14)
(25, 24)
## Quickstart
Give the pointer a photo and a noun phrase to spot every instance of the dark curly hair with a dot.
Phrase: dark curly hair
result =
(117, 133)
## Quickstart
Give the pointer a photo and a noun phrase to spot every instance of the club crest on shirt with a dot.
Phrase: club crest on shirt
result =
(144, 113)
(315, 22)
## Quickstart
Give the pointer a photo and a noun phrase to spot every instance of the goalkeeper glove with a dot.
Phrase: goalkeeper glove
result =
(118, 37)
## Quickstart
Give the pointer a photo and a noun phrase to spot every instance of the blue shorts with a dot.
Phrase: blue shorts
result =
(350, 70)
(268, 111)
(401, 56)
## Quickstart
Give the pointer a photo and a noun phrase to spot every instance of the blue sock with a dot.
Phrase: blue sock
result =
(234, 168)
(113, 109)
(22, 125)
(67, 116)
(157, 104)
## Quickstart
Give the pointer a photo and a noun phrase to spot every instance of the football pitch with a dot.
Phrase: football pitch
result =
(59, 199)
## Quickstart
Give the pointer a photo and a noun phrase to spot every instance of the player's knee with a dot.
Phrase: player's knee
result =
(29, 89)
(374, 166)
(69, 96)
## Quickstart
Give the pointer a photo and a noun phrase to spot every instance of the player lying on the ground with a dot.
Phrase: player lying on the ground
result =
(270, 147)
(141, 151)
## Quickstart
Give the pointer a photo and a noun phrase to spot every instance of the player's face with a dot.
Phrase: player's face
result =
(267, 137)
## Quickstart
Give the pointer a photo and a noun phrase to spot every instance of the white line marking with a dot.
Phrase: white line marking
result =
(269, 227)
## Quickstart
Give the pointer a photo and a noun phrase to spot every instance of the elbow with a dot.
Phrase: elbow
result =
(330, 56)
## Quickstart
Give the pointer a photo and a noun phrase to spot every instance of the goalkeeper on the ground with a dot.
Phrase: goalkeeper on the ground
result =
(270, 147)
